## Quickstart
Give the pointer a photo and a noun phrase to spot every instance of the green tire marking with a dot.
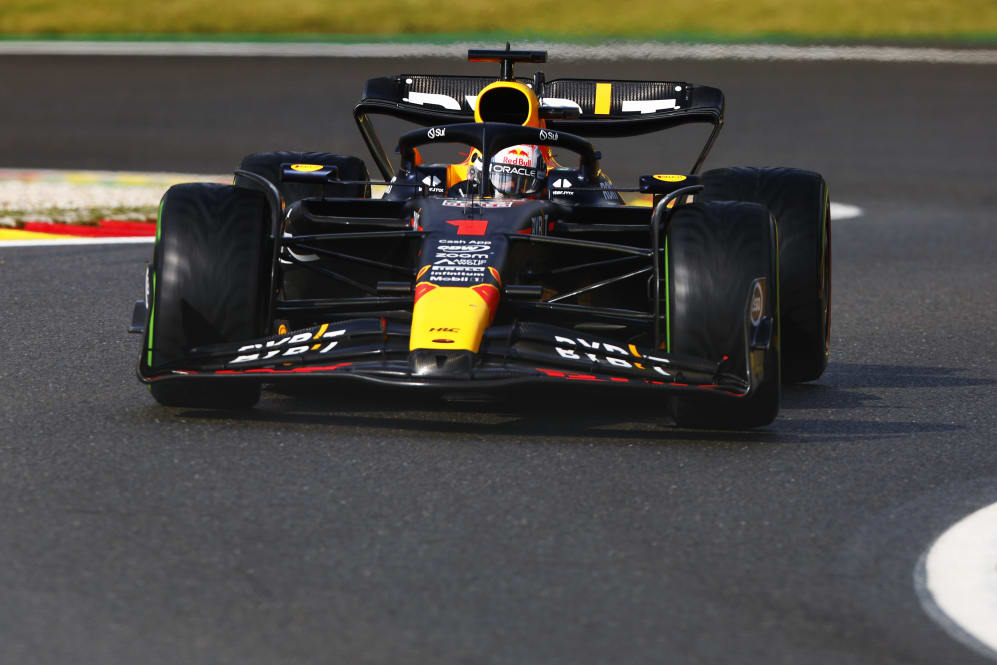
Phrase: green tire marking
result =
(152, 319)
(152, 308)
(668, 304)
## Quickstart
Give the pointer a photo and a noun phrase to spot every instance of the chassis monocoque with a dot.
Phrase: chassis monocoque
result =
(714, 290)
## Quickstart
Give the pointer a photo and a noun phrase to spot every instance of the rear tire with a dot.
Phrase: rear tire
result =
(297, 282)
(799, 201)
(715, 253)
(267, 164)
(210, 276)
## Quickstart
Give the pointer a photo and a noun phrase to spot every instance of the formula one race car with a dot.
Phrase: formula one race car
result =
(503, 269)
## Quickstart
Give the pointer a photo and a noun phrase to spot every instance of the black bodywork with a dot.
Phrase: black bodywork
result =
(581, 283)
(445, 100)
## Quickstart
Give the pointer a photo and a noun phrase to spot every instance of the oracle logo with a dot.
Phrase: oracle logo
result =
(514, 170)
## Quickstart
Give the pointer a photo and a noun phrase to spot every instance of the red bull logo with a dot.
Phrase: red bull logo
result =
(518, 156)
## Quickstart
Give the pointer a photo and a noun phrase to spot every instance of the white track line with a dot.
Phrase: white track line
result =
(55, 242)
(841, 211)
(957, 581)
(558, 52)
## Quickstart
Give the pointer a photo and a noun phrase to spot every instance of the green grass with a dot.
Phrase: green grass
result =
(585, 20)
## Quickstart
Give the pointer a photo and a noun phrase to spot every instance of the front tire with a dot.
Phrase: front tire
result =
(210, 274)
(799, 201)
(716, 252)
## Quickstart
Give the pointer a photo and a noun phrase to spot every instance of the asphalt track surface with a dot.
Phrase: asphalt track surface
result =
(359, 527)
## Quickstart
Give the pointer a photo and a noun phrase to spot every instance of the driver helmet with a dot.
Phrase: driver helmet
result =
(518, 170)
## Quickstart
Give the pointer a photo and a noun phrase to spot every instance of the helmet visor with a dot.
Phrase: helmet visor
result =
(517, 170)
(514, 179)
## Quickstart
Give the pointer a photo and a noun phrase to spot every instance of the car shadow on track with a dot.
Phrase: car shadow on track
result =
(626, 417)
(527, 413)
(861, 375)
(855, 385)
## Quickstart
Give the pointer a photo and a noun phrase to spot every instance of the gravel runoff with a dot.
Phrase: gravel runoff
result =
(83, 196)
(88, 196)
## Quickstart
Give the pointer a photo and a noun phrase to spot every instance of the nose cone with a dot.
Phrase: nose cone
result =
(452, 318)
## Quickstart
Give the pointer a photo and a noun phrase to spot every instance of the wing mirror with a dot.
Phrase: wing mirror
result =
(309, 174)
(666, 184)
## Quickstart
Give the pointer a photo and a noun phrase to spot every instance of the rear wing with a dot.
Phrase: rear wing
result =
(587, 107)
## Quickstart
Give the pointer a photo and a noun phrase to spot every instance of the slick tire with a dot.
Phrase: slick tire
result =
(799, 201)
(716, 251)
(210, 274)
(267, 164)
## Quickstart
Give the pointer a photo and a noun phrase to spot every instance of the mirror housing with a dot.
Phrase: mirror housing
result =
(666, 183)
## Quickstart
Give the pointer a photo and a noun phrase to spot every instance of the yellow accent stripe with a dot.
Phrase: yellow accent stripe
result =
(602, 91)
(633, 350)
(18, 234)
(321, 331)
